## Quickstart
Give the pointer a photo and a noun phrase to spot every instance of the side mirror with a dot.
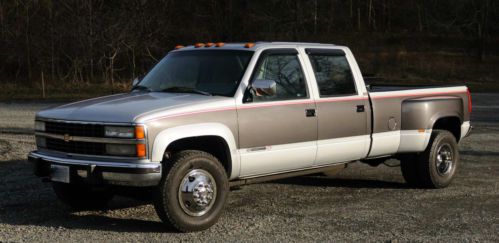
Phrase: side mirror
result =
(264, 87)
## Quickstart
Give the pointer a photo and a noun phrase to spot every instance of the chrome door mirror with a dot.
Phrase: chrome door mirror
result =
(264, 87)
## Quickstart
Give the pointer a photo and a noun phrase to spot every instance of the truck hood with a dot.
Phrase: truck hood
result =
(125, 108)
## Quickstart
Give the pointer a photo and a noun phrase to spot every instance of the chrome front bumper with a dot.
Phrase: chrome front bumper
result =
(99, 172)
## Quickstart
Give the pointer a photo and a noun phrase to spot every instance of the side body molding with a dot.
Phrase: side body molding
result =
(167, 136)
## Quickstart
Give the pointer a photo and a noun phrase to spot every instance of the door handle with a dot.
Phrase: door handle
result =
(360, 108)
(310, 112)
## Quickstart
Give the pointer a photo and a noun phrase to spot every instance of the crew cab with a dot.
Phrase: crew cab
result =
(212, 116)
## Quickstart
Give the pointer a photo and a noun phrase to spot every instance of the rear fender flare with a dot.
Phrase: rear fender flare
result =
(443, 114)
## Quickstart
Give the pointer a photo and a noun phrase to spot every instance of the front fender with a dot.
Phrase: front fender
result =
(170, 135)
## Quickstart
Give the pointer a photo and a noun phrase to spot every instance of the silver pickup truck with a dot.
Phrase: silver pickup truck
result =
(211, 116)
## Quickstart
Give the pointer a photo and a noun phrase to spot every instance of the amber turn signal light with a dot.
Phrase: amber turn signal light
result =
(141, 150)
(140, 132)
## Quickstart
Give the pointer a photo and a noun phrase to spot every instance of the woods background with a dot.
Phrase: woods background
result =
(76, 49)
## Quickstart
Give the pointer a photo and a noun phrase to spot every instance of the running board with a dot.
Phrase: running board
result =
(253, 180)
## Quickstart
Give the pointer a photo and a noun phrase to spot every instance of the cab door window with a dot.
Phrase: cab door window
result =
(332, 72)
(285, 69)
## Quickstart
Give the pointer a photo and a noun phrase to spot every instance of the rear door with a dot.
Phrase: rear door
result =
(278, 133)
(342, 108)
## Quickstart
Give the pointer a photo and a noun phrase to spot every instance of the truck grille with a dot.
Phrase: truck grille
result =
(75, 129)
(76, 147)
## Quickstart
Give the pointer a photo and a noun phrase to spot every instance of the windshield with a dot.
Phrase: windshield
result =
(213, 72)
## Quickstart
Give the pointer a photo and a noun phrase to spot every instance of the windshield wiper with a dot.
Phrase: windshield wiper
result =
(185, 90)
(142, 88)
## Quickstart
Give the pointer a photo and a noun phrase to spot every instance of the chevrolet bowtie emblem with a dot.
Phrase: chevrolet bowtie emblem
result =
(67, 138)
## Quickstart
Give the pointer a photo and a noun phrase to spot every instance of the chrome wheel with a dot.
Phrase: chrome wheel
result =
(197, 192)
(445, 159)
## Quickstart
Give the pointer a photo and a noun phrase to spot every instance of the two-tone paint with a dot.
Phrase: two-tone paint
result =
(272, 137)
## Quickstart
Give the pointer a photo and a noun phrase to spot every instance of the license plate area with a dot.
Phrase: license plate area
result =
(59, 173)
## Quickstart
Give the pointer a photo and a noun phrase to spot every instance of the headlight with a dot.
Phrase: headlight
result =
(40, 126)
(119, 132)
(121, 149)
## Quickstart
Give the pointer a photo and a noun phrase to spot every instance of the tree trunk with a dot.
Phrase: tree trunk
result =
(358, 18)
(420, 21)
(315, 17)
(28, 44)
(369, 14)
(91, 38)
(297, 21)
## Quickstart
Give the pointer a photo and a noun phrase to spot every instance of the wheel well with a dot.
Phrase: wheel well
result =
(451, 124)
(214, 145)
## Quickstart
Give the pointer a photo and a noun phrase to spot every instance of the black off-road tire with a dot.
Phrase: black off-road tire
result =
(166, 198)
(82, 196)
(422, 171)
(409, 168)
(429, 174)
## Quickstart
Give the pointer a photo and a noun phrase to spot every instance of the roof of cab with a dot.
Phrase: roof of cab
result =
(244, 46)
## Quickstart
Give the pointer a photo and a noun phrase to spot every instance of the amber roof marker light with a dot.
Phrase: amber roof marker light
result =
(209, 44)
(178, 47)
(249, 45)
(219, 44)
(197, 45)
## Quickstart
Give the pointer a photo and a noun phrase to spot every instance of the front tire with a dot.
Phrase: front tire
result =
(193, 191)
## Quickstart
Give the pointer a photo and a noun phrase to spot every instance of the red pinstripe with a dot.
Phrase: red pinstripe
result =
(335, 99)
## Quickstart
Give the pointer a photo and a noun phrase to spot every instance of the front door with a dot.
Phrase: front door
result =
(278, 133)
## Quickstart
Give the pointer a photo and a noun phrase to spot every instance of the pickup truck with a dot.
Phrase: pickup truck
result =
(212, 116)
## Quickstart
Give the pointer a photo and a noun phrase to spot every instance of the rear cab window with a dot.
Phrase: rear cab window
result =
(332, 72)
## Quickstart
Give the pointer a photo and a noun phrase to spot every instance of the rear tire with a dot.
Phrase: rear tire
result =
(409, 168)
(82, 196)
(193, 191)
(439, 162)
(436, 166)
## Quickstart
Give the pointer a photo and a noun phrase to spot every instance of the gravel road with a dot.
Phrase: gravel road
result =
(361, 203)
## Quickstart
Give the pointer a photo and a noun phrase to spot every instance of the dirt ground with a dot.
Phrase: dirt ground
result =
(361, 203)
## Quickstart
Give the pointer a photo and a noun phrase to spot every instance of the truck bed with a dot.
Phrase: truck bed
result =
(401, 87)
(402, 115)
